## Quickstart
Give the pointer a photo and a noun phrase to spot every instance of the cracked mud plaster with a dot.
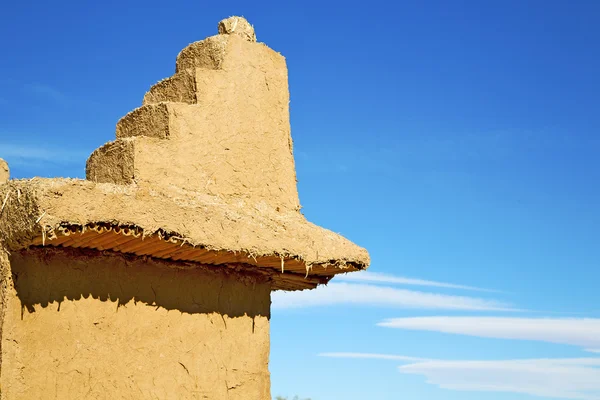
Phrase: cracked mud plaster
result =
(107, 327)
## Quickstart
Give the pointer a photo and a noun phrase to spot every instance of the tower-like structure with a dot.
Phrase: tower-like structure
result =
(152, 277)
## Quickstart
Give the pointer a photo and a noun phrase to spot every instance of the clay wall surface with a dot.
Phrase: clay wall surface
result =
(80, 324)
(4, 171)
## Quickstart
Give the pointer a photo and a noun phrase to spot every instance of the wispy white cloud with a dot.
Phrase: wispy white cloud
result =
(566, 378)
(554, 378)
(372, 295)
(19, 153)
(47, 92)
(376, 277)
(372, 356)
(583, 332)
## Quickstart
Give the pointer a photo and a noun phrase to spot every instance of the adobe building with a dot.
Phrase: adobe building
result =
(152, 277)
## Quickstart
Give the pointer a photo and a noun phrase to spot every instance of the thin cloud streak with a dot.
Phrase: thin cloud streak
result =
(23, 153)
(48, 92)
(582, 332)
(372, 295)
(558, 378)
(562, 378)
(375, 356)
(375, 277)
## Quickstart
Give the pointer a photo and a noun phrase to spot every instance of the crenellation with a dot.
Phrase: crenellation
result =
(226, 119)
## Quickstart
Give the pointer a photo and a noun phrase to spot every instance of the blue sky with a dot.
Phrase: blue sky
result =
(457, 141)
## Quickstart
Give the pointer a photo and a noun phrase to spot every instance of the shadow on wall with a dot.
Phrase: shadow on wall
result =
(45, 276)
